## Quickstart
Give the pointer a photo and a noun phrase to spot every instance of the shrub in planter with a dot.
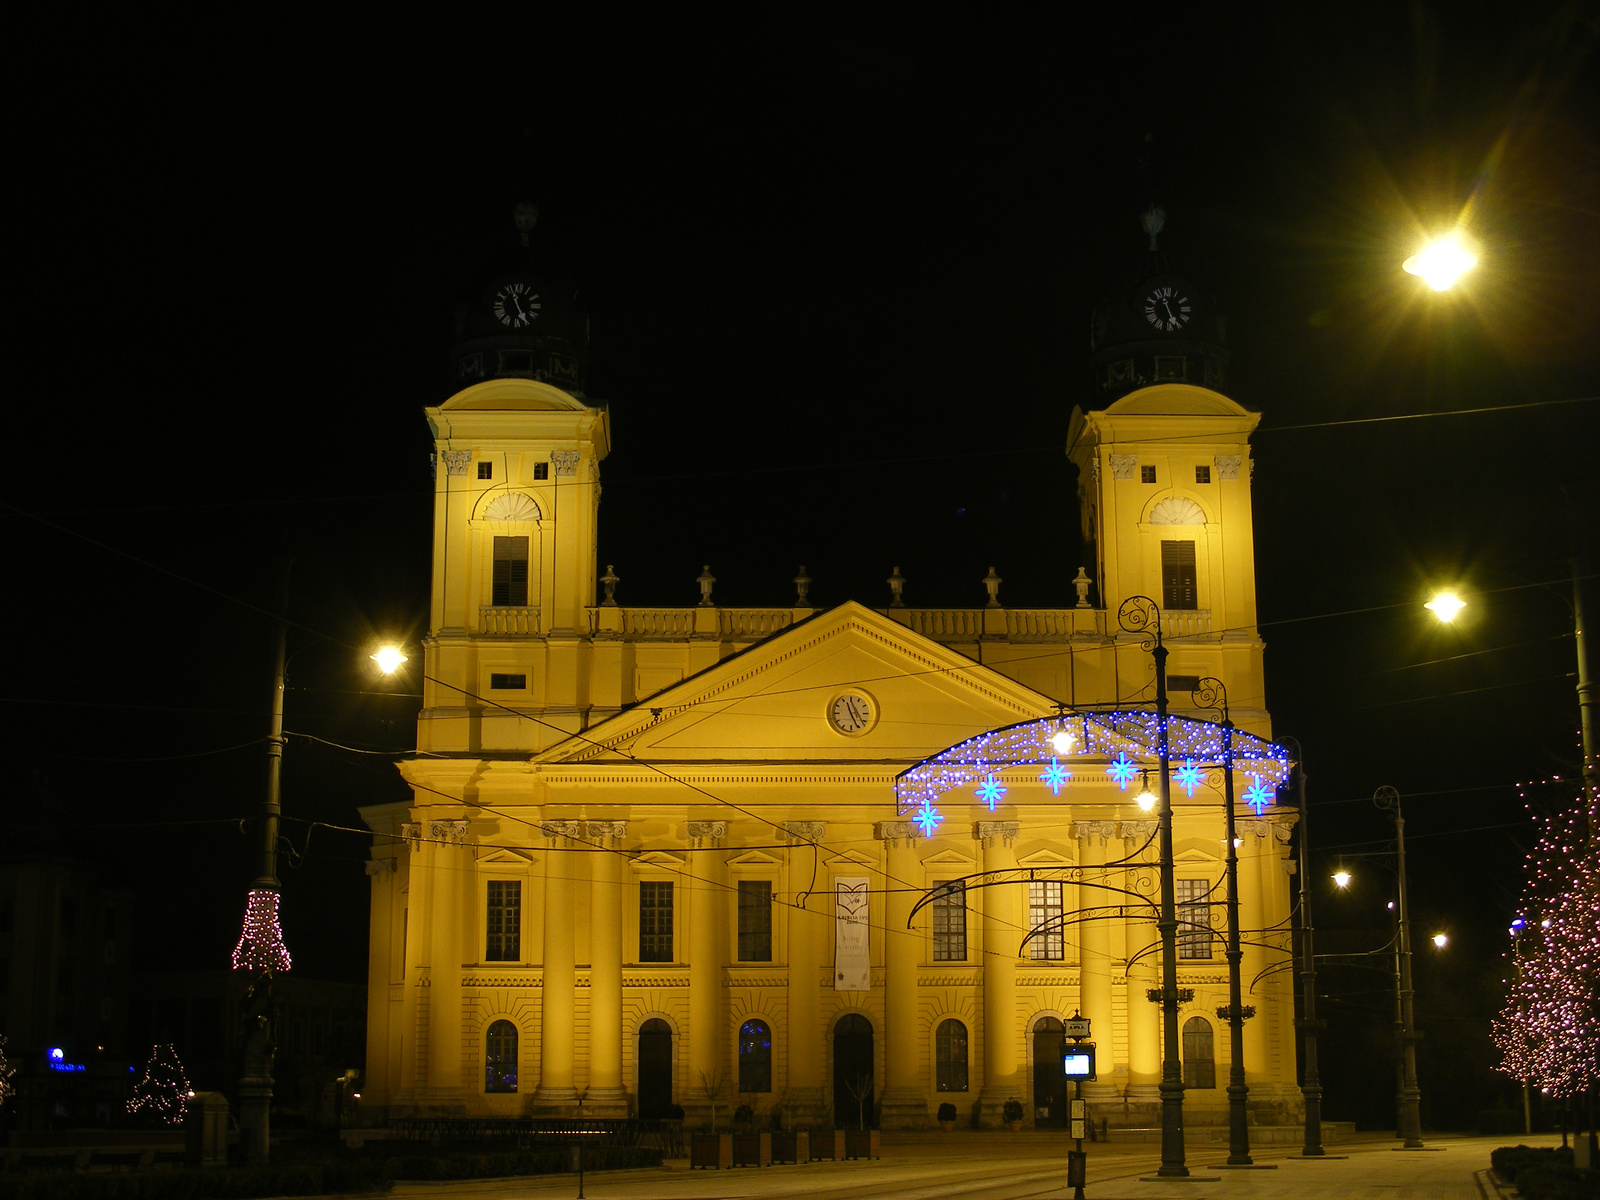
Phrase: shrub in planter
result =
(674, 1112)
(744, 1115)
(1012, 1112)
(1508, 1160)
(947, 1117)
(1557, 1183)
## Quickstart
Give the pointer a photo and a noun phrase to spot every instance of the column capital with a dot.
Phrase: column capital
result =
(707, 831)
(894, 832)
(452, 833)
(564, 832)
(1082, 830)
(411, 831)
(987, 831)
(1137, 831)
(381, 866)
(605, 831)
(1281, 830)
(805, 831)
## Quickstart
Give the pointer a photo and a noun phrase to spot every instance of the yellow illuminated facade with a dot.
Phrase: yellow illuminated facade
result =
(619, 874)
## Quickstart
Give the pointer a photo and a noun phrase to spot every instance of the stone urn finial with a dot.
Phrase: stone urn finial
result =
(705, 581)
(993, 582)
(1082, 582)
(802, 588)
(897, 584)
(609, 581)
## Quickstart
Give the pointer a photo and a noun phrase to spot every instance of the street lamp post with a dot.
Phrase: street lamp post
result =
(1311, 1087)
(1212, 693)
(1141, 615)
(1387, 799)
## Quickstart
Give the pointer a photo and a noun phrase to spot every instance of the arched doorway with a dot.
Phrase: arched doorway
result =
(655, 1069)
(854, 1087)
(1049, 1082)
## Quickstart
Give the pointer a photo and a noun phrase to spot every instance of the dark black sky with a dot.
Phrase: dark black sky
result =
(839, 271)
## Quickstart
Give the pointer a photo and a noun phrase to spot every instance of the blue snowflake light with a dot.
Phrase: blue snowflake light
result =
(1258, 795)
(1122, 771)
(1054, 776)
(928, 817)
(1188, 776)
(990, 791)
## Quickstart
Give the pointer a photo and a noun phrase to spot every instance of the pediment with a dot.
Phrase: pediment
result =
(772, 701)
(849, 860)
(658, 860)
(755, 858)
(1195, 857)
(1046, 858)
(505, 856)
(950, 858)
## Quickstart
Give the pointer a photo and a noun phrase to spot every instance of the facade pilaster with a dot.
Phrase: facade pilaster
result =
(453, 875)
(557, 1075)
(1253, 876)
(707, 899)
(1144, 1018)
(606, 1095)
(1002, 925)
(904, 1100)
(1096, 968)
(807, 1097)
(380, 1077)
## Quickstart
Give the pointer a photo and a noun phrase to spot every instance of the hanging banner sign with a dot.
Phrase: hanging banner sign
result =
(852, 958)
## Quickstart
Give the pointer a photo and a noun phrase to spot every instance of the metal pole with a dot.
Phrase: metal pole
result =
(1171, 1086)
(1410, 1094)
(1586, 684)
(1311, 1088)
(1238, 1090)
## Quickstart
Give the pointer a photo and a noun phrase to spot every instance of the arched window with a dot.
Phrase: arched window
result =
(1199, 1064)
(950, 1056)
(755, 1057)
(500, 1058)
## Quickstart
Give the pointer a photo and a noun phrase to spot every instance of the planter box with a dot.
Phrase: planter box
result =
(712, 1150)
(791, 1147)
(948, 1126)
(862, 1143)
(827, 1144)
(752, 1149)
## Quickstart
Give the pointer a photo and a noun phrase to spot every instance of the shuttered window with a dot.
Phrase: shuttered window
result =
(511, 572)
(1179, 587)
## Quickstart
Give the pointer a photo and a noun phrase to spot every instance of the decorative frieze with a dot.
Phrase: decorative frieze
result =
(986, 832)
(1124, 466)
(702, 832)
(564, 461)
(450, 833)
(456, 462)
(805, 831)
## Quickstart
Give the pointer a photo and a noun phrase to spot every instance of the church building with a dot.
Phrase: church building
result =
(793, 858)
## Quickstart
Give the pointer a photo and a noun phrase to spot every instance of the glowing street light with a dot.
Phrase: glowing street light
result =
(1446, 606)
(1441, 262)
(389, 659)
(1341, 878)
(1146, 800)
(1441, 940)
(1061, 741)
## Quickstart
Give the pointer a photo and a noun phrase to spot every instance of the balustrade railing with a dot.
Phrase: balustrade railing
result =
(753, 622)
(508, 621)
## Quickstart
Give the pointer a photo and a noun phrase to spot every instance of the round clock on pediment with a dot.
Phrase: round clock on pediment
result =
(852, 713)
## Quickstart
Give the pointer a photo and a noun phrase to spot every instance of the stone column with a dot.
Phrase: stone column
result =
(806, 1097)
(905, 1096)
(1144, 1017)
(418, 957)
(454, 874)
(1002, 932)
(557, 1085)
(607, 1096)
(1257, 856)
(1097, 968)
(380, 1080)
(707, 900)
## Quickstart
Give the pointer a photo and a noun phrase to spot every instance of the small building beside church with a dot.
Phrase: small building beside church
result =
(660, 856)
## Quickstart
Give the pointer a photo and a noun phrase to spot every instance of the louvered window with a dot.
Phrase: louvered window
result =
(1179, 586)
(511, 572)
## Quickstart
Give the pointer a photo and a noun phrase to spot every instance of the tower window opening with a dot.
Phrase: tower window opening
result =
(1179, 580)
(509, 683)
(1182, 683)
(1147, 474)
(1202, 474)
(1171, 367)
(511, 572)
(485, 470)
(541, 470)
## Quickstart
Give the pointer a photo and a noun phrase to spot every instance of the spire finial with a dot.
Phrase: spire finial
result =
(525, 216)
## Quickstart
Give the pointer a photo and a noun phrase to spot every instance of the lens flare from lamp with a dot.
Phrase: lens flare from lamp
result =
(1441, 263)
(1341, 878)
(389, 659)
(1441, 940)
(1062, 742)
(1146, 800)
(1446, 606)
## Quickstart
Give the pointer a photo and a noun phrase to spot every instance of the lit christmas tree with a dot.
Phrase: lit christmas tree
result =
(6, 1072)
(1549, 1031)
(162, 1094)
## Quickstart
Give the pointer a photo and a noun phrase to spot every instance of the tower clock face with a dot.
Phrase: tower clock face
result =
(516, 305)
(1166, 308)
(850, 713)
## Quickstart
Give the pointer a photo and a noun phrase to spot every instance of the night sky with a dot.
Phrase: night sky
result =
(839, 274)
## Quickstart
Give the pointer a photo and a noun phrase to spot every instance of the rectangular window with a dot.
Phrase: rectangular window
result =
(1202, 474)
(1179, 582)
(1194, 918)
(541, 470)
(1044, 921)
(504, 921)
(1179, 684)
(514, 683)
(1147, 474)
(1170, 367)
(510, 572)
(755, 921)
(950, 921)
(655, 922)
(485, 470)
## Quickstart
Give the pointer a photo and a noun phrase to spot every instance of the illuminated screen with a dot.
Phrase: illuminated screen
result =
(1076, 1064)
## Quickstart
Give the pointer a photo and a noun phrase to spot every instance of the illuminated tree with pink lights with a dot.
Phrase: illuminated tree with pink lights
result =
(1549, 1031)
